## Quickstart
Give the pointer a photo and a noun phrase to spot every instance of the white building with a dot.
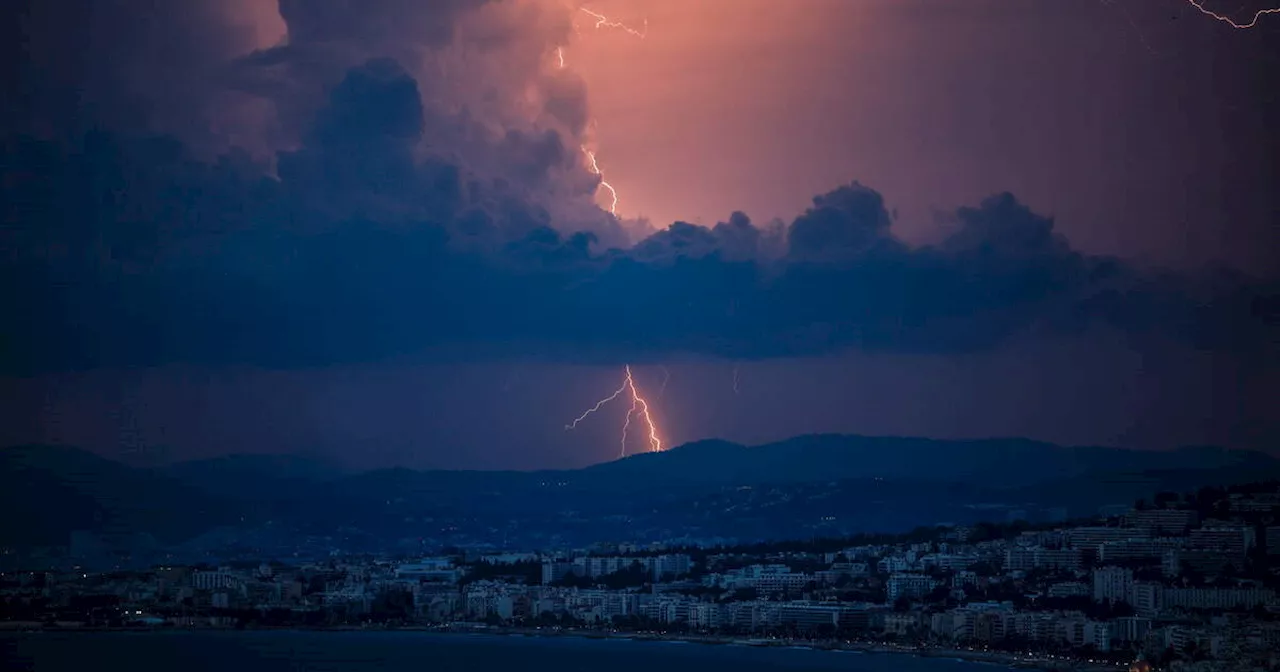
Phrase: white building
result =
(1147, 598)
(429, 569)
(1069, 589)
(910, 586)
(1162, 521)
(1216, 598)
(677, 564)
(553, 571)
(1233, 541)
(1112, 584)
(220, 580)
(705, 615)
(1090, 538)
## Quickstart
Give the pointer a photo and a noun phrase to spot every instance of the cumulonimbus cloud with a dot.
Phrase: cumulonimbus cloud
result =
(402, 212)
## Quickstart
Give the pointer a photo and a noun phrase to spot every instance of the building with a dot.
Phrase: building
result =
(440, 570)
(1130, 550)
(948, 561)
(603, 566)
(705, 615)
(1216, 598)
(553, 571)
(221, 579)
(508, 558)
(1235, 542)
(1130, 629)
(1158, 522)
(1090, 538)
(1069, 589)
(673, 565)
(1058, 558)
(1025, 559)
(1147, 598)
(909, 586)
(1113, 584)
(808, 616)
(1019, 559)
(1208, 563)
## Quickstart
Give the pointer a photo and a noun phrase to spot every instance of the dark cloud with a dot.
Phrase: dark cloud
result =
(404, 215)
(130, 252)
(134, 65)
(736, 240)
(841, 224)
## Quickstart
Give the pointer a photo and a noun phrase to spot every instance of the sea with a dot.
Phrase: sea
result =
(361, 651)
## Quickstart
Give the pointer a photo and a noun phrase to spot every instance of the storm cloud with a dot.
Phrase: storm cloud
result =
(415, 185)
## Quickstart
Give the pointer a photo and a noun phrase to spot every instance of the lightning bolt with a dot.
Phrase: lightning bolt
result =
(603, 21)
(735, 378)
(639, 408)
(666, 378)
(1199, 5)
(595, 168)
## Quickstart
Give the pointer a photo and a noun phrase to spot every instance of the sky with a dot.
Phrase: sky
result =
(372, 232)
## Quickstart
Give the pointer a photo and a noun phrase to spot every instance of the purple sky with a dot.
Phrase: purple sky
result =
(1136, 124)
(1140, 127)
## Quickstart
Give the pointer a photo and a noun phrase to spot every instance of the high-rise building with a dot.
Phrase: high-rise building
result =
(1113, 584)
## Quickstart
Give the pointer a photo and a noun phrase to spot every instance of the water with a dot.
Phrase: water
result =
(393, 651)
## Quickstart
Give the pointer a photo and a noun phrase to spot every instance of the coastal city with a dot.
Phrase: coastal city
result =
(1184, 581)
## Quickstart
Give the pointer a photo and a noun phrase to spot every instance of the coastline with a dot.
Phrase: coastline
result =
(1003, 658)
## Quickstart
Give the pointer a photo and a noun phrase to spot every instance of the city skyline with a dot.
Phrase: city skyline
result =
(550, 334)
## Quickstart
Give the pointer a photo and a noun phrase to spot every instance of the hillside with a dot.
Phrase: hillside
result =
(53, 490)
(805, 485)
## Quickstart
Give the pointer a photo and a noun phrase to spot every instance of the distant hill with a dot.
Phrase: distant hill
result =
(994, 462)
(254, 476)
(48, 491)
(805, 485)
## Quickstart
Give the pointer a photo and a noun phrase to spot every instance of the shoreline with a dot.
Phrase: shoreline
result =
(1005, 658)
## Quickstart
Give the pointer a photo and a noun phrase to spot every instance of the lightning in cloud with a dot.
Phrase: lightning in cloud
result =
(1199, 5)
(593, 165)
(639, 405)
(639, 409)
(603, 21)
(595, 168)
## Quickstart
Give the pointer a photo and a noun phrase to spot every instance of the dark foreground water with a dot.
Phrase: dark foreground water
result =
(395, 651)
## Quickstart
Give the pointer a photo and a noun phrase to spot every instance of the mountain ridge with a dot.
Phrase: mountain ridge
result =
(683, 488)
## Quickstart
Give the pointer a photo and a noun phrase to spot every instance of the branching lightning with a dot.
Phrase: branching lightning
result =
(593, 165)
(639, 405)
(639, 408)
(1199, 5)
(603, 21)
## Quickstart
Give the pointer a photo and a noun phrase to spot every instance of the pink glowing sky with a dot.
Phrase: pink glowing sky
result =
(1122, 119)
(936, 105)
